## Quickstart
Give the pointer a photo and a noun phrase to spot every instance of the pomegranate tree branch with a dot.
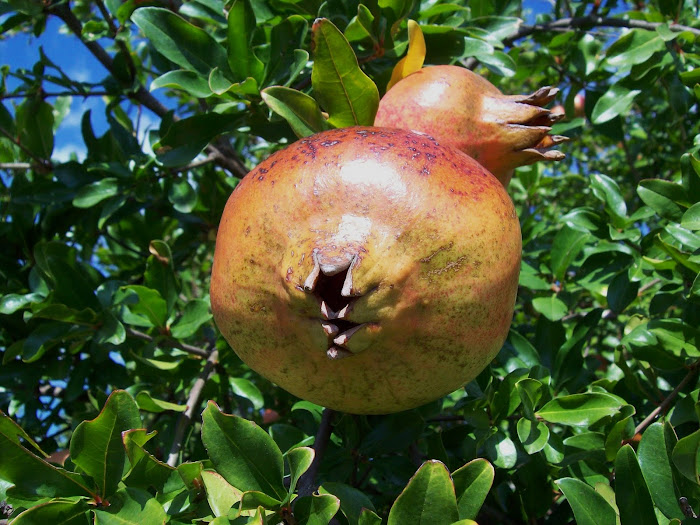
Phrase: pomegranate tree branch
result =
(227, 160)
(172, 343)
(307, 483)
(661, 409)
(192, 404)
(591, 21)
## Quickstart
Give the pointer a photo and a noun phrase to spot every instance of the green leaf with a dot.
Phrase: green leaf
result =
(12, 302)
(472, 484)
(340, 86)
(590, 508)
(94, 193)
(428, 498)
(631, 492)
(188, 81)
(241, 57)
(35, 123)
(147, 305)
(146, 471)
(299, 460)
(30, 474)
(243, 453)
(298, 109)
(530, 392)
(186, 138)
(580, 409)
(686, 454)
(96, 446)
(533, 435)
(195, 314)
(316, 510)
(253, 499)
(368, 517)
(247, 390)
(353, 503)
(131, 506)
(160, 273)
(621, 292)
(56, 512)
(221, 496)
(149, 404)
(551, 307)
(501, 450)
(566, 246)
(665, 197)
(634, 47)
(616, 101)
(655, 462)
(189, 46)
(608, 191)
(498, 62)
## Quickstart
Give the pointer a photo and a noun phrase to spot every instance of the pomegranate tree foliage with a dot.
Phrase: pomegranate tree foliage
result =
(109, 353)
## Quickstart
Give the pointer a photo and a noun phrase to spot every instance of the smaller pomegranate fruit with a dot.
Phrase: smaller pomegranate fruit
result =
(460, 108)
(368, 270)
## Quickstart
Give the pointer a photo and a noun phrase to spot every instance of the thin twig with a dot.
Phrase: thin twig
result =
(16, 166)
(307, 483)
(584, 22)
(665, 404)
(192, 405)
(166, 341)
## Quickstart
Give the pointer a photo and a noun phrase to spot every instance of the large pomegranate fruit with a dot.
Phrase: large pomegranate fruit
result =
(461, 108)
(368, 270)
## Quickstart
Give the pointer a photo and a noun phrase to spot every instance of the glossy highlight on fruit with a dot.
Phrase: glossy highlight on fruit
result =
(368, 270)
(463, 109)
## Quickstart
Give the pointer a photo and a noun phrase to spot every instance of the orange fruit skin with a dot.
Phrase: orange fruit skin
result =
(463, 109)
(435, 247)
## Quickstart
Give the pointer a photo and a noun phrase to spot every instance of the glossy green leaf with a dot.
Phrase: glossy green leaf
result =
(131, 506)
(94, 193)
(368, 517)
(146, 470)
(253, 499)
(150, 404)
(353, 502)
(472, 483)
(616, 101)
(246, 389)
(221, 496)
(316, 510)
(580, 409)
(96, 446)
(551, 307)
(299, 460)
(655, 462)
(665, 197)
(533, 435)
(530, 392)
(634, 47)
(590, 508)
(566, 246)
(686, 456)
(243, 453)
(195, 314)
(160, 273)
(35, 121)
(56, 512)
(501, 450)
(147, 304)
(631, 492)
(298, 109)
(608, 191)
(620, 431)
(185, 44)
(241, 57)
(186, 138)
(340, 86)
(428, 498)
(185, 80)
(30, 474)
